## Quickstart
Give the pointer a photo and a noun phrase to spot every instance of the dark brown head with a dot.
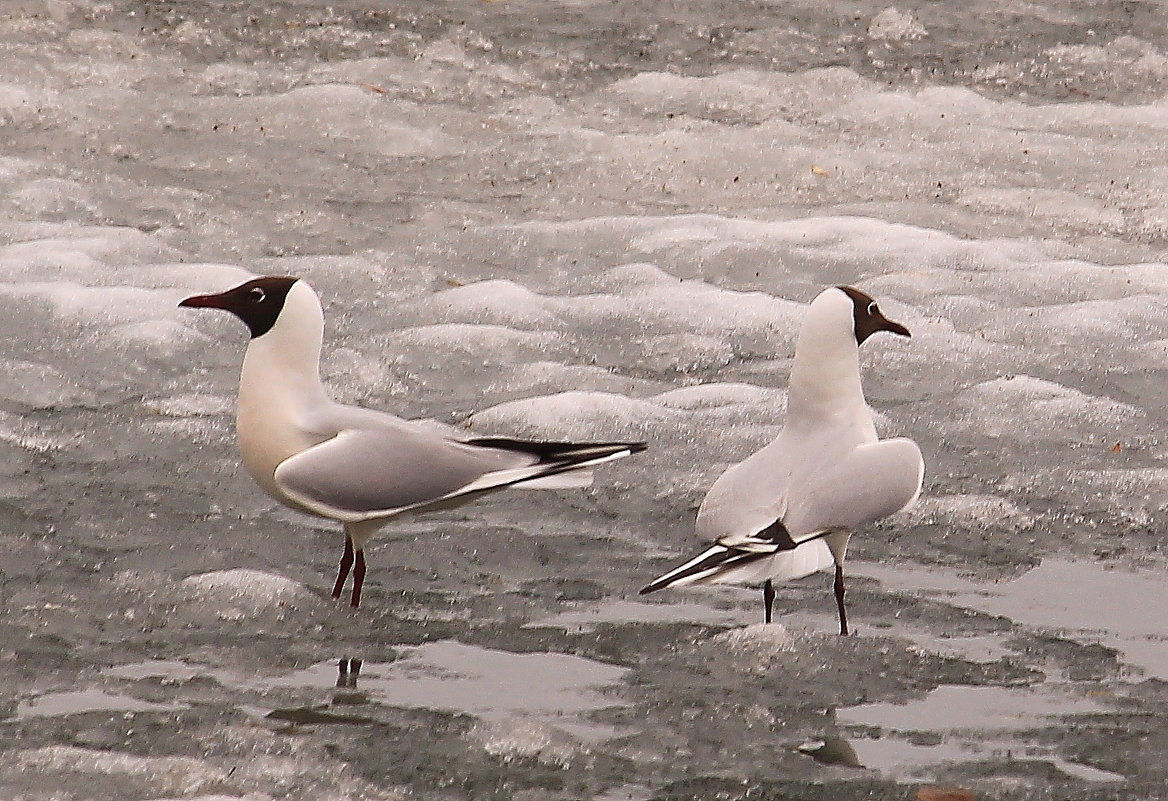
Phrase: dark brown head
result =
(868, 318)
(258, 302)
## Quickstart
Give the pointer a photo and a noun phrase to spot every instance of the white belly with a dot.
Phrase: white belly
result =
(269, 430)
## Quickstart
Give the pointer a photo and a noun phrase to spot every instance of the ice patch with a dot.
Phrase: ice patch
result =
(1122, 497)
(340, 114)
(892, 24)
(22, 106)
(641, 301)
(982, 512)
(1124, 59)
(162, 669)
(184, 775)
(573, 415)
(713, 396)
(586, 617)
(78, 247)
(517, 739)
(55, 197)
(543, 377)
(40, 386)
(251, 772)
(99, 306)
(498, 302)
(155, 335)
(758, 640)
(735, 97)
(241, 593)
(503, 344)
(1050, 411)
(192, 404)
(1055, 204)
(23, 433)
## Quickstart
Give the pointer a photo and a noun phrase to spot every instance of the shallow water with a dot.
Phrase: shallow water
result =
(1086, 601)
(80, 701)
(583, 220)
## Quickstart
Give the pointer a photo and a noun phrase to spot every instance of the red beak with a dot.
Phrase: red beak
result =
(897, 328)
(204, 302)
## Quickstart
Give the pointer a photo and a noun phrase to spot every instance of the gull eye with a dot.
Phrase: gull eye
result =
(256, 295)
(872, 309)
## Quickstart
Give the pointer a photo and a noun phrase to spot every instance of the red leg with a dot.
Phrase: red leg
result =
(346, 565)
(839, 599)
(358, 578)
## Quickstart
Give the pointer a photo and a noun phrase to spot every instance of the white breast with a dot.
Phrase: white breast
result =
(279, 389)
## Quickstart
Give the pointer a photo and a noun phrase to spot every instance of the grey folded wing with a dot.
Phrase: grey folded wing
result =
(872, 482)
(362, 474)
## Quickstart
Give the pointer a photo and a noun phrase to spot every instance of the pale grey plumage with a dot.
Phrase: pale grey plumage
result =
(359, 466)
(789, 509)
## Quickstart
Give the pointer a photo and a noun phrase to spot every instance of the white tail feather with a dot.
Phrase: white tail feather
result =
(572, 480)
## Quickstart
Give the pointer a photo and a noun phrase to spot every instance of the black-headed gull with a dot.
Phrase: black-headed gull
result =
(790, 509)
(360, 466)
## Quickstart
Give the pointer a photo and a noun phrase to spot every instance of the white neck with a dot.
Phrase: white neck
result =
(284, 363)
(825, 378)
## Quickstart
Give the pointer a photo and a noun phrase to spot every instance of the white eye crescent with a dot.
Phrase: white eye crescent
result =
(872, 309)
(256, 294)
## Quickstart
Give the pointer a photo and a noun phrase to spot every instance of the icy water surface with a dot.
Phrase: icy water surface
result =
(584, 220)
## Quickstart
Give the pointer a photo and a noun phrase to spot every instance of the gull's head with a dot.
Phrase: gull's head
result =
(258, 302)
(864, 313)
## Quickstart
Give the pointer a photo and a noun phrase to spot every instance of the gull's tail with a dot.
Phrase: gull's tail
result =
(770, 554)
(561, 465)
(706, 566)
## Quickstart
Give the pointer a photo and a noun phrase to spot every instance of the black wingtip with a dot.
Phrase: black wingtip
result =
(648, 588)
(558, 450)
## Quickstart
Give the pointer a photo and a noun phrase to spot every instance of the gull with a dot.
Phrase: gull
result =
(790, 509)
(359, 466)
